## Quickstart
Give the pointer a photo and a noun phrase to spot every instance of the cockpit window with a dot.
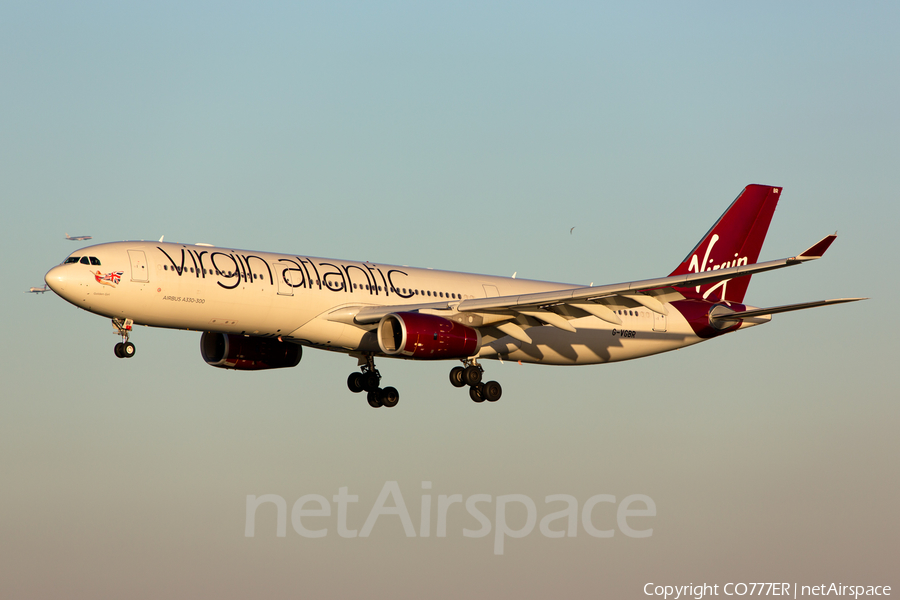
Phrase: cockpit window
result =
(95, 261)
(70, 260)
(84, 260)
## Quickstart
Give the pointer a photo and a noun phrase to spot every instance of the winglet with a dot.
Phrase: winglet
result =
(818, 249)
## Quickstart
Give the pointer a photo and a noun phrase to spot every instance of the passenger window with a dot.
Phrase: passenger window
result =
(95, 261)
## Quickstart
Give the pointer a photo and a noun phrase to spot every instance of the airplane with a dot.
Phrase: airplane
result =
(257, 310)
(78, 238)
(38, 290)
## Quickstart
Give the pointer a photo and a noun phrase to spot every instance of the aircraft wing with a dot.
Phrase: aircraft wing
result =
(551, 307)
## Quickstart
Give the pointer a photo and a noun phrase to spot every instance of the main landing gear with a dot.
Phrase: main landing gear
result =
(123, 349)
(368, 380)
(470, 375)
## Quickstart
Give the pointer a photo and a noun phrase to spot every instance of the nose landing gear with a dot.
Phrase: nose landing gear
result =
(471, 375)
(368, 380)
(123, 349)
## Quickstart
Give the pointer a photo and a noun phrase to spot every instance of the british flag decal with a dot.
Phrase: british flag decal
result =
(111, 279)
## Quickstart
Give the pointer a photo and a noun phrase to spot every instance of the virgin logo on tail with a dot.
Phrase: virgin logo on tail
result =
(696, 266)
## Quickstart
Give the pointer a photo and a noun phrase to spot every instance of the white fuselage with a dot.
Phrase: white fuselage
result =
(311, 301)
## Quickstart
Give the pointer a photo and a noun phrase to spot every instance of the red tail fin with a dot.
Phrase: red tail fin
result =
(735, 239)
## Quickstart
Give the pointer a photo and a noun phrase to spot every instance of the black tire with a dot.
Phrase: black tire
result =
(389, 397)
(456, 376)
(118, 350)
(374, 400)
(491, 391)
(354, 382)
(472, 375)
(127, 350)
(370, 381)
(475, 393)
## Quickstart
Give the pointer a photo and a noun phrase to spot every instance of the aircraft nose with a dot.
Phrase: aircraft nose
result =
(56, 279)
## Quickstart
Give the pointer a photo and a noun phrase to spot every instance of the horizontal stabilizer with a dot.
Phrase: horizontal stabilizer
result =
(758, 312)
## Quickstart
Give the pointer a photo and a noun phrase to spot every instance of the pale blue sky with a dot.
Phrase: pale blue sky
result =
(470, 137)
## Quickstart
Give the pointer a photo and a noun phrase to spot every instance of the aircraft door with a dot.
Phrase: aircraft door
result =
(285, 281)
(659, 322)
(139, 270)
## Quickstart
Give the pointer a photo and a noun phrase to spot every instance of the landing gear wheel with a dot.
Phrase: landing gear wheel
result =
(374, 400)
(456, 376)
(472, 375)
(123, 349)
(370, 381)
(355, 382)
(491, 391)
(389, 397)
(476, 394)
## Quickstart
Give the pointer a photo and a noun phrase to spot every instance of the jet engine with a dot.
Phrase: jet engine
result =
(229, 351)
(417, 335)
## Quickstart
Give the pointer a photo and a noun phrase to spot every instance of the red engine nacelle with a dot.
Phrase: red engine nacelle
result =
(426, 336)
(229, 351)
